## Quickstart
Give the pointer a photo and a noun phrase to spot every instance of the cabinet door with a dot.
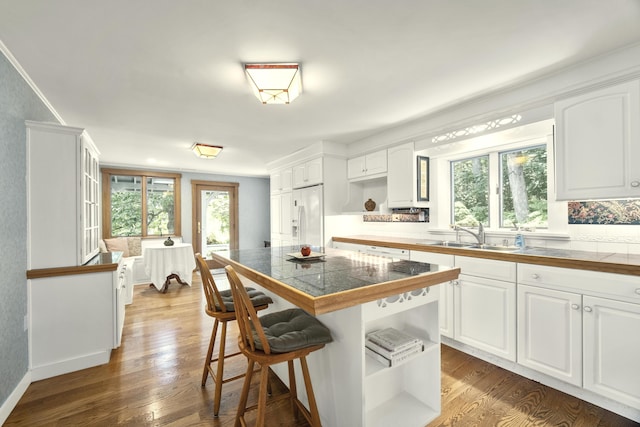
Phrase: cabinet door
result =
(275, 183)
(550, 332)
(598, 144)
(286, 208)
(286, 180)
(276, 214)
(485, 315)
(306, 174)
(356, 168)
(90, 197)
(612, 349)
(376, 163)
(400, 182)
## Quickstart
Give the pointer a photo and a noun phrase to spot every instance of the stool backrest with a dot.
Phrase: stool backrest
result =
(209, 285)
(246, 315)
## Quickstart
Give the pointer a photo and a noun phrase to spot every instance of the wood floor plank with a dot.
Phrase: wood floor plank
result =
(153, 379)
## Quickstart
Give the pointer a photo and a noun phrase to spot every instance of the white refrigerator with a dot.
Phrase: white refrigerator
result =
(308, 219)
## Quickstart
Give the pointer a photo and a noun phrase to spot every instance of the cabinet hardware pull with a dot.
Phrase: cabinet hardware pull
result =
(588, 309)
(635, 184)
(575, 306)
(638, 291)
(535, 276)
(455, 282)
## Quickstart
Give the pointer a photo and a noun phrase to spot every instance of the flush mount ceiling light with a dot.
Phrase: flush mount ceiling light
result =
(274, 83)
(206, 151)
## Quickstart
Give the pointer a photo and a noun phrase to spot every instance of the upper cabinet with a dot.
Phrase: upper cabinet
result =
(63, 193)
(368, 166)
(402, 182)
(308, 173)
(598, 144)
(281, 181)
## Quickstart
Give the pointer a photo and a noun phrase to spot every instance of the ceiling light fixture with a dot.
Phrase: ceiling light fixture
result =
(206, 151)
(275, 83)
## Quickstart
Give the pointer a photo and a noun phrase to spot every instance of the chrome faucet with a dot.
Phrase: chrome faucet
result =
(480, 237)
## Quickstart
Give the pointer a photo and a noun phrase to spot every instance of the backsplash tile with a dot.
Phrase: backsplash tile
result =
(610, 212)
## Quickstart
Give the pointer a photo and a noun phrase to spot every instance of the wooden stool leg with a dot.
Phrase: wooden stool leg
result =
(262, 396)
(313, 407)
(207, 360)
(293, 389)
(244, 395)
(220, 372)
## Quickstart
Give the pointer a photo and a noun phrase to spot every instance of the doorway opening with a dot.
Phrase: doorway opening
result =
(215, 218)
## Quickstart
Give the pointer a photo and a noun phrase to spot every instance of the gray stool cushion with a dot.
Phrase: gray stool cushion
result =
(257, 298)
(292, 329)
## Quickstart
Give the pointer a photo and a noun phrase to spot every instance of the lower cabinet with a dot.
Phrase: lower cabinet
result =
(575, 326)
(74, 321)
(484, 305)
(550, 332)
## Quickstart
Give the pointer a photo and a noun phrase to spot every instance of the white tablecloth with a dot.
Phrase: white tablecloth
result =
(163, 261)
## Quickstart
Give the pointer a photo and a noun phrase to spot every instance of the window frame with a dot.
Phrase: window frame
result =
(107, 173)
(554, 220)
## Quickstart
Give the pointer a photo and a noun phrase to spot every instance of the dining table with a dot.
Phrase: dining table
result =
(163, 263)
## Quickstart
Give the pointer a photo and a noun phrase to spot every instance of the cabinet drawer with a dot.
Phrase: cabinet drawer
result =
(491, 269)
(582, 281)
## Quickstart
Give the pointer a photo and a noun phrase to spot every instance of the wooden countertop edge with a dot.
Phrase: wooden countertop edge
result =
(340, 300)
(68, 271)
(592, 265)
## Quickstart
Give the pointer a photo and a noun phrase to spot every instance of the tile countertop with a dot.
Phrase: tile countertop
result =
(608, 262)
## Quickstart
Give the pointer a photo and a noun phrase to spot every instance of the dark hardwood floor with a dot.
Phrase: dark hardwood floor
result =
(153, 379)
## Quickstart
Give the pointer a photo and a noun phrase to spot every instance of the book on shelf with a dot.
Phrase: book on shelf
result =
(396, 360)
(392, 339)
(391, 354)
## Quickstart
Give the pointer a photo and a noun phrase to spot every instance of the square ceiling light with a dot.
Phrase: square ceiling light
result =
(274, 83)
(206, 151)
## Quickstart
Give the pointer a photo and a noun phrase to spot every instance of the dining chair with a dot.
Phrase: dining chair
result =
(277, 337)
(220, 306)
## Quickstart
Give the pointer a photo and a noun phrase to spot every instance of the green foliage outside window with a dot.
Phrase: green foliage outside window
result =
(471, 191)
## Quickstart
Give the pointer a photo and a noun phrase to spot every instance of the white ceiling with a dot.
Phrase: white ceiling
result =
(147, 78)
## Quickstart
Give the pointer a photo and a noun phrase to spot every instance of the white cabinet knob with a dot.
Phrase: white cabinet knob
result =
(456, 282)
(638, 291)
(588, 309)
(575, 306)
(635, 184)
(535, 276)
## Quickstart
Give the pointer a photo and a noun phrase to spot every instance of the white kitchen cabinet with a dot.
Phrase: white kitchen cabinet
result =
(308, 173)
(584, 316)
(612, 349)
(367, 166)
(484, 300)
(402, 182)
(75, 321)
(63, 196)
(597, 146)
(281, 181)
(550, 332)
(281, 225)
(445, 307)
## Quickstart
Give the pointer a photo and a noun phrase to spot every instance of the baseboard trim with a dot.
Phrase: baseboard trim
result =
(70, 365)
(14, 397)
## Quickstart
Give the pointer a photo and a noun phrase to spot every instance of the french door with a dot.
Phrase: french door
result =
(214, 217)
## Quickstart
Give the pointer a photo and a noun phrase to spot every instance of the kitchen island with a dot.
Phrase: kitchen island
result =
(354, 294)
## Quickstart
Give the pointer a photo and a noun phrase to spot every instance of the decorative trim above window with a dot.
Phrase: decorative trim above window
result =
(478, 129)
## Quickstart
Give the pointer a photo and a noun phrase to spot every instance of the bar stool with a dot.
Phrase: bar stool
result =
(274, 338)
(220, 306)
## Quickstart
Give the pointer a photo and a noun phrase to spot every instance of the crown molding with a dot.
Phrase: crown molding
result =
(13, 61)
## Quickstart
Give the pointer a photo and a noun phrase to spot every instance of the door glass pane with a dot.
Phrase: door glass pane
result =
(524, 187)
(470, 191)
(216, 234)
(126, 205)
(160, 206)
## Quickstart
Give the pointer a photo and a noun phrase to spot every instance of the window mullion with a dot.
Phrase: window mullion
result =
(494, 196)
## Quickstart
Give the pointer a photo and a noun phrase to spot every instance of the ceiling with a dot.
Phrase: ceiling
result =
(148, 78)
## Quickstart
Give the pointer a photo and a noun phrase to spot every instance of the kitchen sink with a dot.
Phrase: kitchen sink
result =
(451, 244)
(498, 248)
